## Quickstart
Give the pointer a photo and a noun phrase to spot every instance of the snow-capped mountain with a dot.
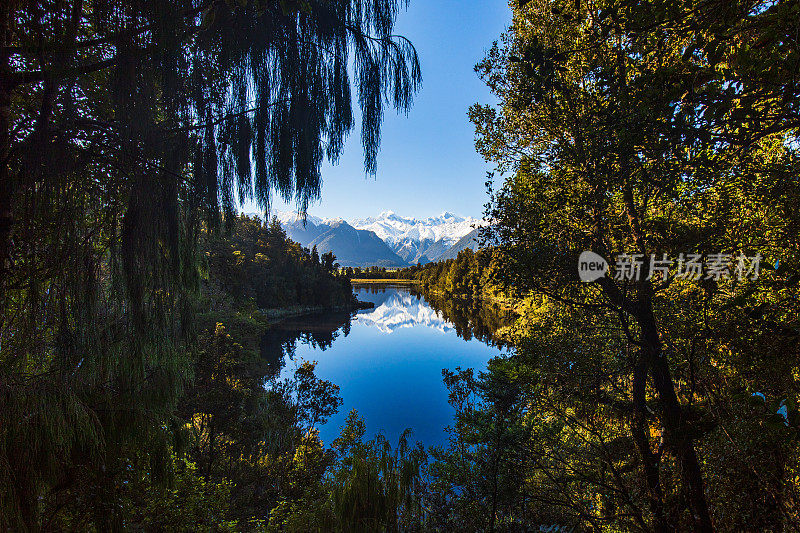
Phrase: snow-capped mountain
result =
(386, 240)
(394, 229)
(290, 217)
(351, 246)
(419, 240)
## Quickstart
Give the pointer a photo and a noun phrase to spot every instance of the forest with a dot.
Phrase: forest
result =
(660, 402)
(132, 392)
(135, 390)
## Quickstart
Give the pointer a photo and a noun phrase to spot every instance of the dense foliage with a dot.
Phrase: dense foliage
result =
(257, 263)
(126, 127)
(664, 402)
(470, 274)
(139, 374)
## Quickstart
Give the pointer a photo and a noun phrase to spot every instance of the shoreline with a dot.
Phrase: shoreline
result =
(386, 281)
(504, 303)
(276, 315)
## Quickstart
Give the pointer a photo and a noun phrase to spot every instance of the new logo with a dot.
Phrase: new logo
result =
(591, 266)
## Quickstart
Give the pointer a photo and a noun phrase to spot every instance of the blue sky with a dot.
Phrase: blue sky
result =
(427, 163)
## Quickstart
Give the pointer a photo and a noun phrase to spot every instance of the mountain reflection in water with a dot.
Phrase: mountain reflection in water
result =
(398, 306)
(402, 310)
(388, 360)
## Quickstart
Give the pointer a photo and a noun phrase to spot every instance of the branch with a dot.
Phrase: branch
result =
(37, 76)
(222, 118)
(23, 78)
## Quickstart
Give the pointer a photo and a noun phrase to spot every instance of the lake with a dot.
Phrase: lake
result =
(388, 360)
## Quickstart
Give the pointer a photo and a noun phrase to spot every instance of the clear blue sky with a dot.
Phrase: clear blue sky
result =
(427, 162)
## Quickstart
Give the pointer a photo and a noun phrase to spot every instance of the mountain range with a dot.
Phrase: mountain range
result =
(419, 241)
(388, 240)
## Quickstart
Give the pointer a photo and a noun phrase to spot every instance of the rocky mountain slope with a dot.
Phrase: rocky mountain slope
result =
(388, 240)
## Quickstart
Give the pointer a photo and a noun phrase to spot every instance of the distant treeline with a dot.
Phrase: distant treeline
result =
(471, 274)
(256, 261)
(376, 272)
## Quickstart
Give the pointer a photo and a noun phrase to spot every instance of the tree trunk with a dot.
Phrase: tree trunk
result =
(677, 434)
(676, 429)
(649, 460)
(6, 188)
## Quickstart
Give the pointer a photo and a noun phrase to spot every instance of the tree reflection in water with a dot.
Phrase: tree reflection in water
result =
(395, 306)
(318, 330)
(473, 318)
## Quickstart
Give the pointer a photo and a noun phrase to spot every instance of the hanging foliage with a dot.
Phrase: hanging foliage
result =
(125, 126)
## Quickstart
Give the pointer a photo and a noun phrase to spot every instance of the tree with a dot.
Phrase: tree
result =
(634, 127)
(329, 261)
(375, 487)
(480, 475)
(124, 128)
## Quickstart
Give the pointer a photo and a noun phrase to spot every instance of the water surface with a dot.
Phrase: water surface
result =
(388, 360)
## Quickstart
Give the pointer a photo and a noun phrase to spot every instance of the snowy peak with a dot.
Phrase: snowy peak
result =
(352, 247)
(394, 229)
(399, 240)
(422, 240)
(290, 217)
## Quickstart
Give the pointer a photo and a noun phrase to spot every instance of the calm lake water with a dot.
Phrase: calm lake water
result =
(388, 360)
